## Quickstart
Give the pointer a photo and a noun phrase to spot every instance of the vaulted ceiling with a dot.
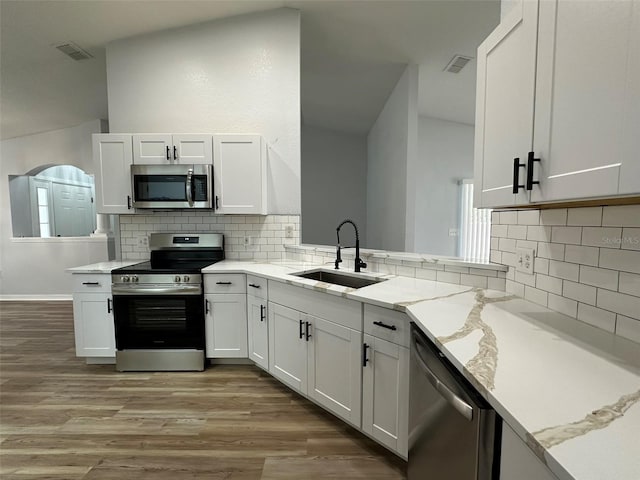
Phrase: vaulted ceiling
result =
(353, 52)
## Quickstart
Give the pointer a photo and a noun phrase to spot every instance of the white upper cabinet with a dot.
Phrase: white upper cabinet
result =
(166, 149)
(112, 162)
(240, 174)
(582, 95)
(504, 107)
(584, 104)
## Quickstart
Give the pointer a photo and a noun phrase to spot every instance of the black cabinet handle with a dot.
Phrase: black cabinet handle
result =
(263, 312)
(307, 334)
(217, 206)
(109, 307)
(301, 326)
(516, 174)
(175, 153)
(254, 285)
(224, 283)
(168, 153)
(530, 181)
(384, 325)
(206, 306)
(364, 355)
(91, 283)
(128, 202)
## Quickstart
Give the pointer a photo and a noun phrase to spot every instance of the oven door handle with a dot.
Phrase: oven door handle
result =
(157, 290)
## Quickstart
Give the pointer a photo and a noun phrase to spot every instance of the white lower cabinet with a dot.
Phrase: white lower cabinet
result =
(226, 325)
(385, 393)
(518, 462)
(93, 325)
(258, 331)
(318, 358)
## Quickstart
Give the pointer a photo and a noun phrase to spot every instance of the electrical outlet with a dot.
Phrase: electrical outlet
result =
(288, 231)
(143, 241)
(524, 260)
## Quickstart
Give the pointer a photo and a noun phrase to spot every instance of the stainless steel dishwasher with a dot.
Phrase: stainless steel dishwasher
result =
(454, 433)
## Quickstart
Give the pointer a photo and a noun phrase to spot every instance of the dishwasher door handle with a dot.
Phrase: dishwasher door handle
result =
(456, 402)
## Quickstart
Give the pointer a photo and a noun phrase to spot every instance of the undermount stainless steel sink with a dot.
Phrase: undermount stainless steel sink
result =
(336, 278)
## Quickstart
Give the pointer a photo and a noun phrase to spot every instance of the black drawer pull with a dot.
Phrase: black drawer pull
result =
(206, 302)
(109, 307)
(254, 285)
(175, 153)
(308, 335)
(384, 325)
(263, 311)
(364, 355)
(301, 327)
(91, 283)
(128, 202)
(224, 283)
(168, 154)
(516, 174)
(530, 181)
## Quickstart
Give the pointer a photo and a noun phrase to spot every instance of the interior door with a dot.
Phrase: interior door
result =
(73, 212)
(287, 346)
(504, 106)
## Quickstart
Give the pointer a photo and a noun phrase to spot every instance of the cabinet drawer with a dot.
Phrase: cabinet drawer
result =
(386, 324)
(91, 282)
(257, 287)
(225, 283)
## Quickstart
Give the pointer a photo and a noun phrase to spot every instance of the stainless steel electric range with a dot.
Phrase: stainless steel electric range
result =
(158, 305)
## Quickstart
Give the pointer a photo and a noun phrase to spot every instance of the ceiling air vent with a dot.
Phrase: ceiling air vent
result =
(73, 51)
(457, 63)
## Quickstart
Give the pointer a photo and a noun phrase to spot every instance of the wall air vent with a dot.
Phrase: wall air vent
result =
(73, 51)
(457, 63)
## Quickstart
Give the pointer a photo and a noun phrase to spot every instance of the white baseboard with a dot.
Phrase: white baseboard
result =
(36, 298)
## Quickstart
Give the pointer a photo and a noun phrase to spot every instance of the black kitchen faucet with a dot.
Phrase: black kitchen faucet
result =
(358, 263)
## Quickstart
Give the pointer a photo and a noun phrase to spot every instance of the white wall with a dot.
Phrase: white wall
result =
(445, 151)
(334, 185)
(35, 267)
(389, 151)
(236, 75)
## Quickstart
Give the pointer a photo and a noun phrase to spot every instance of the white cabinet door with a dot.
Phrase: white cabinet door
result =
(518, 462)
(385, 393)
(239, 174)
(630, 168)
(258, 331)
(504, 106)
(287, 346)
(112, 157)
(334, 365)
(193, 148)
(93, 325)
(582, 93)
(226, 325)
(152, 149)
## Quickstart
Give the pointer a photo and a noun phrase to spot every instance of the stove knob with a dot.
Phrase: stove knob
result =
(185, 278)
(124, 279)
(177, 279)
(134, 278)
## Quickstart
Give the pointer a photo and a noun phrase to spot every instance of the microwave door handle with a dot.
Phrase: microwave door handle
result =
(189, 187)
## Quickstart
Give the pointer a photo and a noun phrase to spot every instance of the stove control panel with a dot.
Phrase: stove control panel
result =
(129, 278)
(156, 279)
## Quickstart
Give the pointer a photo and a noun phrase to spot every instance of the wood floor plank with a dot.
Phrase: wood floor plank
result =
(63, 419)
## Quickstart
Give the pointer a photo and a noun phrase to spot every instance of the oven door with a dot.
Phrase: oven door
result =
(171, 186)
(149, 320)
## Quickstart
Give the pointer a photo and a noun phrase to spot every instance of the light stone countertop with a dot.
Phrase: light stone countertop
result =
(102, 267)
(569, 390)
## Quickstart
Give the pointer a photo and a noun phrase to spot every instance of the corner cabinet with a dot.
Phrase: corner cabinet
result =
(93, 323)
(167, 149)
(315, 347)
(561, 100)
(257, 321)
(112, 157)
(240, 174)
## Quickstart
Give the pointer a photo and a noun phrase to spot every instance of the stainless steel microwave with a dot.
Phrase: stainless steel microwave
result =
(172, 186)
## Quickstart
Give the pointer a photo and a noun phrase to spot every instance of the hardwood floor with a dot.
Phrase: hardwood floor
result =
(63, 419)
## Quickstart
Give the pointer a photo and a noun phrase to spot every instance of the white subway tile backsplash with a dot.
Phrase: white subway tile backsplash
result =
(563, 305)
(448, 277)
(630, 283)
(496, 283)
(514, 288)
(525, 278)
(473, 280)
(580, 292)
(581, 255)
(541, 265)
(425, 274)
(568, 271)
(549, 284)
(528, 217)
(589, 216)
(602, 237)
(507, 245)
(565, 235)
(621, 303)
(454, 268)
(535, 295)
(599, 277)
(499, 230)
(628, 328)
(539, 233)
(630, 239)
(624, 260)
(509, 218)
(553, 251)
(621, 216)
(597, 317)
(553, 216)
(517, 232)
